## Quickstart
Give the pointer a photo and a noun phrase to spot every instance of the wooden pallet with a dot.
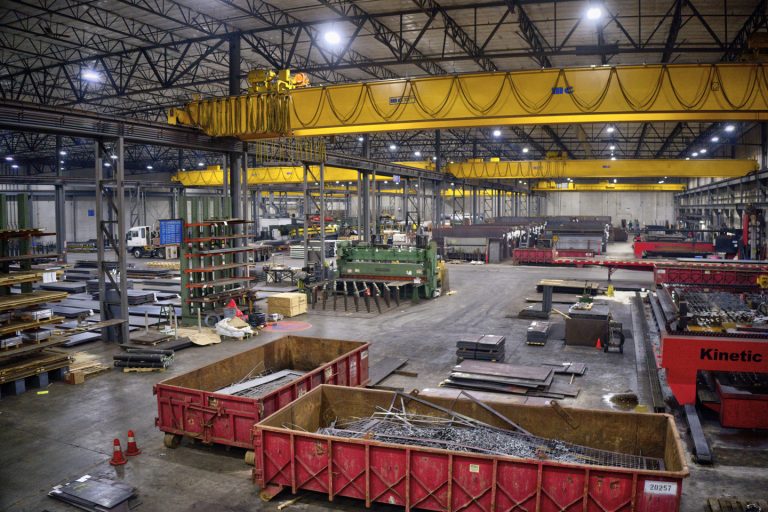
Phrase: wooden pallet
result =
(734, 504)
(142, 370)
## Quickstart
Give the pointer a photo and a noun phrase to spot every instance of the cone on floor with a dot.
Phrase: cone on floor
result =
(133, 448)
(118, 459)
(599, 344)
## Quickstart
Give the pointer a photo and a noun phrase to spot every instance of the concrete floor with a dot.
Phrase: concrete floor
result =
(48, 439)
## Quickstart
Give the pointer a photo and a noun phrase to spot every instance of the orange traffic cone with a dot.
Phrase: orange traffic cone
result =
(118, 459)
(133, 448)
(599, 344)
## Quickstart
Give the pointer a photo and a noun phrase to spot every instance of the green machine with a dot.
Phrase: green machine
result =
(414, 265)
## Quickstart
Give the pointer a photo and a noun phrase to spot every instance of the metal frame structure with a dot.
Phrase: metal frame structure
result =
(147, 56)
(110, 234)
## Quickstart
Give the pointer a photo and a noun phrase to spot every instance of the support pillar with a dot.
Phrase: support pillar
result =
(322, 218)
(437, 204)
(60, 206)
(764, 145)
(474, 205)
(366, 193)
(113, 300)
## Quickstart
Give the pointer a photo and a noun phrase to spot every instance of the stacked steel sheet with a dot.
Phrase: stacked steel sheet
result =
(538, 333)
(97, 494)
(263, 384)
(509, 378)
(487, 347)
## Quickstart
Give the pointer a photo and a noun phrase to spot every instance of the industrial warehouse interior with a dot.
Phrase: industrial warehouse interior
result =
(317, 255)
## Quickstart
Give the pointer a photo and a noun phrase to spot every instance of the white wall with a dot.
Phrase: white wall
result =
(647, 207)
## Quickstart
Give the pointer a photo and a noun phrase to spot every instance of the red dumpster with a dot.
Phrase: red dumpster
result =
(290, 454)
(188, 404)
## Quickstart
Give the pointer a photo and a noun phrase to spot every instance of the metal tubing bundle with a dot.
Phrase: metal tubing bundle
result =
(140, 358)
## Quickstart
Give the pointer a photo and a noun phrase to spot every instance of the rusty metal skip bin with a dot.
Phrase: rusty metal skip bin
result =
(291, 455)
(188, 404)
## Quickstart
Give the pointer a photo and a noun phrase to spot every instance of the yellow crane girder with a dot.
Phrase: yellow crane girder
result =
(684, 92)
(525, 169)
(214, 176)
(606, 186)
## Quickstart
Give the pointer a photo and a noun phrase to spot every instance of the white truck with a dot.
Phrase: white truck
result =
(144, 241)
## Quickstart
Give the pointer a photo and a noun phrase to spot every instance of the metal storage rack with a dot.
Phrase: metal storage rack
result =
(24, 356)
(214, 258)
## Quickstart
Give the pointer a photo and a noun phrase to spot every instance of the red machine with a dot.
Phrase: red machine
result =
(645, 246)
(711, 334)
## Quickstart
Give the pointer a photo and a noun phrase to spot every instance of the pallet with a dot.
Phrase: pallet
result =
(37, 381)
(142, 370)
(734, 505)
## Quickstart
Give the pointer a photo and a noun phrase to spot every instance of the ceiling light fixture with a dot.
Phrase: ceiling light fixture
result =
(417, 153)
(611, 147)
(703, 150)
(149, 167)
(332, 37)
(63, 153)
(392, 147)
(14, 166)
(497, 133)
(525, 150)
(613, 158)
(107, 164)
(360, 139)
(594, 13)
(200, 164)
(9, 159)
(89, 75)
(715, 139)
(113, 157)
(694, 154)
(730, 128)
(610, 129)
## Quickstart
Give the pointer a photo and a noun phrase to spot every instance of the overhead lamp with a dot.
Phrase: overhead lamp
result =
(417, 153)
(451, 161)
(687, 158)
(200, 164)
(360, 139)
(694, 154)
(337, 182)
(611, 147)
(525, 150)
(61, 161)
(615, 180)
(703, 150)
(9, 159)
(113, 157)
(332, 37)
(149, 167)
(661, 181)
(107, 164)
(63, 153)
(715, 139)
(610, 129)
(730, 128)
(613, 158)
(14, 166)
(497, 133)
(89, 75)
(386, 181)
(594, 13)
(434, 159)
(392, 147)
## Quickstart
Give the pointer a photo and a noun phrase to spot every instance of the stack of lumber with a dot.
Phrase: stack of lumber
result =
(487, 347)
(34, 364)
(509, 378)
(287, 304)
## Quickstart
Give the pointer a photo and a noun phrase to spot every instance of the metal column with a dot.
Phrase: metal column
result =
(366, 207)
(322, 218)
(60, 207)
(113, 304)
(474, 205)
(437, 204)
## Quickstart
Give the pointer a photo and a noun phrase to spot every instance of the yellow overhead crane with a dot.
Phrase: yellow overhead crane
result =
(562, 168)
(494, 169)
(679, 92)
(606, 186)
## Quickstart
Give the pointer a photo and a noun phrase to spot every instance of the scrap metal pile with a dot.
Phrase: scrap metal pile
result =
(264, 383)
(715, 309)
(449, 430)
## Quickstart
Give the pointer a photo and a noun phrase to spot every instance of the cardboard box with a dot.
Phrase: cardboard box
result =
(287, 304)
